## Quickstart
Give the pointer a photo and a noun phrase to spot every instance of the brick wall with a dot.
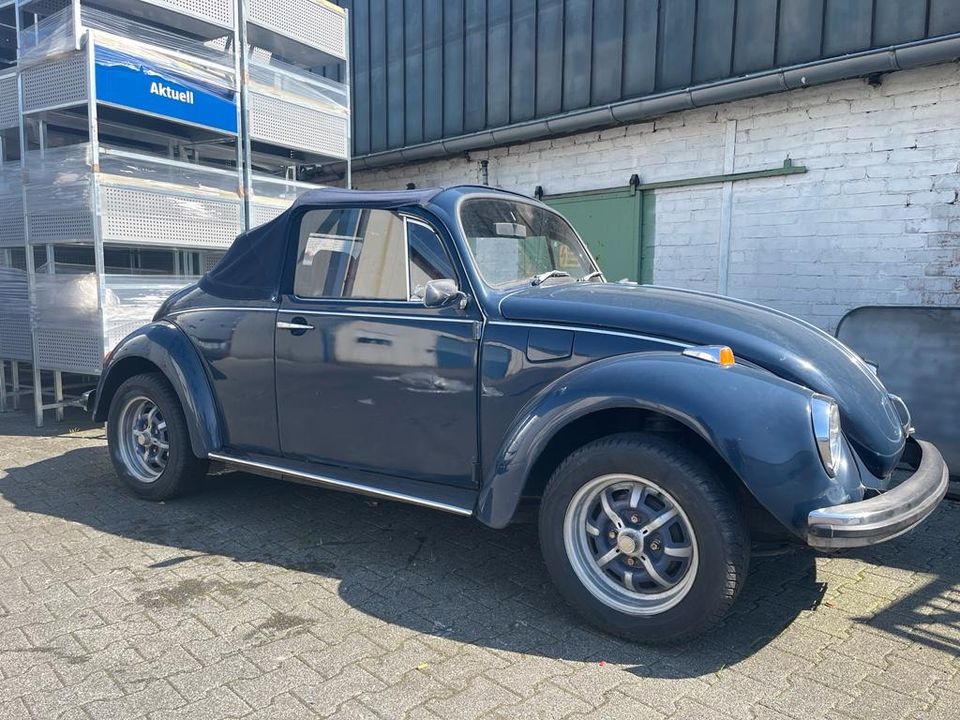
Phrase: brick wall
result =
(875, 220)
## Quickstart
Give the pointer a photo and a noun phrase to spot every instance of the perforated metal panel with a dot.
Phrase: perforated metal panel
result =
(60, 227)
(118, 331)
(69, 350)
(199, 18)
(210, 259)
(14, 308)
(314, 24)
(15, 333)
(155, 218)
(42, 7)
(260, 214)
(9, 111)
(55, 84)
(11, 221)
(288, 124)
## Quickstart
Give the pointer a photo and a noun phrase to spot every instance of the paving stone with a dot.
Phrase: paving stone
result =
(870, 646)
(481, 696)
(284, 706)
(874, 701)
(807, 699)
(619, 706)
(549, 701)
(663, 693)
(734, 693)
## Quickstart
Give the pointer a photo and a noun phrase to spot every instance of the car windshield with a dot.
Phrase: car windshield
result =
(515, 241)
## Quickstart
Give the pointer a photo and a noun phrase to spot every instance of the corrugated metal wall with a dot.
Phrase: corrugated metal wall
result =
(431, 69)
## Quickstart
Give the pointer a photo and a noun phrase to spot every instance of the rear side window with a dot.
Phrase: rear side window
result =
(352, 253)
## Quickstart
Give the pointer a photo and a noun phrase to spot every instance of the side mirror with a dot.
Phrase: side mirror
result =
(440, 293)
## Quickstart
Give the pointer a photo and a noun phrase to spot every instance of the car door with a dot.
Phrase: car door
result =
(369, 379)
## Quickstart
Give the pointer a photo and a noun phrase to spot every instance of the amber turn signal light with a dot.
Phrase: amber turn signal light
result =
(718, 354)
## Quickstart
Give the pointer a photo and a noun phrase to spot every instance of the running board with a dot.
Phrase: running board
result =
(458, 501)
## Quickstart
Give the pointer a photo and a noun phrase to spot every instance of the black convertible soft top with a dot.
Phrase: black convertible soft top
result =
(250, 269)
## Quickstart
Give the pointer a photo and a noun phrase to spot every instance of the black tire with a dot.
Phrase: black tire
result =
(721, 540)
(181, 468)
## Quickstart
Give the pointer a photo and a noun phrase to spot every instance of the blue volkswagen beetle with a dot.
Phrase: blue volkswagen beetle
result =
(460, 349)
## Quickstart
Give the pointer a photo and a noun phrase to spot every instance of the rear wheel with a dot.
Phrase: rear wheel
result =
(149, 441)
(641, 537)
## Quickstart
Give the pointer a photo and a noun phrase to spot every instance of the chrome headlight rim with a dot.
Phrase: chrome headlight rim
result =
(825, 415)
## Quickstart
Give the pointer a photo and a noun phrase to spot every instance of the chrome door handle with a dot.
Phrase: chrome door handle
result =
(293, 325)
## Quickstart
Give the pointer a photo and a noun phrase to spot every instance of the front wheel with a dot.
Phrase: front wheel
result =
(642, 538)
(148, 439)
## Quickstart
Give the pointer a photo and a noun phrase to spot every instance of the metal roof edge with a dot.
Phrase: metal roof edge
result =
(880, 60)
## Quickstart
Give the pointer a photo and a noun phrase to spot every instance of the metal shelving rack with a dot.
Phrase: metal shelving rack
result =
(293, 115)
(99, 175)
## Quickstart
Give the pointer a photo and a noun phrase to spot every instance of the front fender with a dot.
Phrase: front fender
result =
(757, 422)
(166, 346)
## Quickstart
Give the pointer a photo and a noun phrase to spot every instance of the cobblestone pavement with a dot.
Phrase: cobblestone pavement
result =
(259, 599)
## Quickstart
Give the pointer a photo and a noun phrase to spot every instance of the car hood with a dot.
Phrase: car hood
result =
(775, 341)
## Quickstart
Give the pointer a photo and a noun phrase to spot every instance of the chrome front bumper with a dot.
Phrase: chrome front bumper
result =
(886, 515)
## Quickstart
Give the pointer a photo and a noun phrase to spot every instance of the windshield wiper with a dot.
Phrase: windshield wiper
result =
(590, 276)
(538, 279)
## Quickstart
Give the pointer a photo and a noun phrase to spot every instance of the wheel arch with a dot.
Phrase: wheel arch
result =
(163, 348)
(754, 427)
(614, 420)
(609, 421)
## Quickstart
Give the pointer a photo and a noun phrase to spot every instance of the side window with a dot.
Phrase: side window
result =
(428, 259)
(351, 253)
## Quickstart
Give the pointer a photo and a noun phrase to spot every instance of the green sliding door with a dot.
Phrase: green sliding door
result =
(610, 222)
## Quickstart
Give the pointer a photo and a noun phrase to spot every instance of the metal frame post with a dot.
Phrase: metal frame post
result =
(29, 260)
(348, 81)
(15, 383)
(244, 145)
(99, 266)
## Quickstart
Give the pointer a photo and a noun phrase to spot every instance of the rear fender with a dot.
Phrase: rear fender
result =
(758, 423)
(165, 346)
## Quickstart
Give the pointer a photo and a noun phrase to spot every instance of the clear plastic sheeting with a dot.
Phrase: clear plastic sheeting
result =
(291, 83)
(14, 306)
(271, 196)
(289, 108)
(159, 49)
(74, 330)
(132, 301)
(53, 35)
(58, 192)
(159, 171)
(11, 207)
(136, 199)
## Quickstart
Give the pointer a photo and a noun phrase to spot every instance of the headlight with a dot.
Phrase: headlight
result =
(826, 430)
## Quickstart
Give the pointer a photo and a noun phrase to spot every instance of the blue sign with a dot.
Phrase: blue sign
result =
(134, 83)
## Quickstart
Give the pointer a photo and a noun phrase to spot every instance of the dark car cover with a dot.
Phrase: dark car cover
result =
(251, 268)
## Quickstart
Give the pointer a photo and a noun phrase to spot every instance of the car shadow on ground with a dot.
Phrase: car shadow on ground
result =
(434, 573)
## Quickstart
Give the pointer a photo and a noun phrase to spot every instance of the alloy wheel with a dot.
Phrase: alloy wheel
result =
(144, 444)
(630, 544)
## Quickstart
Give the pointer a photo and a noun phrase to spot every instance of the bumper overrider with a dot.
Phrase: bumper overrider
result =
(883, 516)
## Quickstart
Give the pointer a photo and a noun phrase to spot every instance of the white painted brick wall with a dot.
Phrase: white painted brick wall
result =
(875, 220)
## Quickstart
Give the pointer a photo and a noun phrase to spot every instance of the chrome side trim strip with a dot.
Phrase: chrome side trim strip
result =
(580, 328)
(378, 316)
(187, 311)
(340, 484)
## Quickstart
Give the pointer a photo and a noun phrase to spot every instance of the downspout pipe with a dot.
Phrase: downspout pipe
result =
(819, 72)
